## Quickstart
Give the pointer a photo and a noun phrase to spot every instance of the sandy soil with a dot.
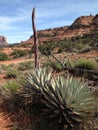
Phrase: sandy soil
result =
(15, 61)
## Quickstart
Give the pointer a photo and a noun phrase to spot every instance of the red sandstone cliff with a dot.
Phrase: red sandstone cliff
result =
(3, 41)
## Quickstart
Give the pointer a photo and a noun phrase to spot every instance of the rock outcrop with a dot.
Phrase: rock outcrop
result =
(3, 41)
(82, 25)
(95, 20)
(83, 20)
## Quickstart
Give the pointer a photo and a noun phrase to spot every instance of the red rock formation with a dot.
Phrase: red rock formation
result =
(95, 20)
(3, 41)
(83, 20)
(82, 25)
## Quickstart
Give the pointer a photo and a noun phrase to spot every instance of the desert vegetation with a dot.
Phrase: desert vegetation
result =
(73, 44)
(48, 96)
(3, 56)
(49, 102)
(39, 99)
(86, 64)
(19, 53)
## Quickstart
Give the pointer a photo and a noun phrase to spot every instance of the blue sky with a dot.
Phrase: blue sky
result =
(15, 15)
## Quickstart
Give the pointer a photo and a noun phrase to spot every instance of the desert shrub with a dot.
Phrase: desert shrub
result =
(76, 26)
(97, 60)
(11, 73)
(65, 45)
(46, 64)
(3, 56)
(19, 53)
(68, 63)
(54, 65)
(60, 50)
(11, 84)
(86, 64)
(57, 66)
(1, 70)
(46, 48)
(79, 46)
(70, 44)
(25, 65)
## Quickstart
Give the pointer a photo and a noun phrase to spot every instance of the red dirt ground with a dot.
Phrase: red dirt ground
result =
(4, 122)
(15, 61)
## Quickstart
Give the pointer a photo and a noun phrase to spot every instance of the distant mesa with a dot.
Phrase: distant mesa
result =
(3, 41)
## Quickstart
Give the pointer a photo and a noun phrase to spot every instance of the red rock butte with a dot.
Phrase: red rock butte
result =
(3, 41)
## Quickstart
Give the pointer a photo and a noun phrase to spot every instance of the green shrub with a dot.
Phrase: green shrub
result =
(45, 49)
(25, 65)
(86, 64)
(57, 66)
(60, 50)
(3, 56)
(77, 26)
(4, 67)
(97, 60)
(47, 64)
(11, 73)
(11, 84)
(68, 63)
(19, 53)
(1, 70)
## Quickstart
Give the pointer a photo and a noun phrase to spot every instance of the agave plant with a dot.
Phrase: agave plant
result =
(62, 103)
(34, 83)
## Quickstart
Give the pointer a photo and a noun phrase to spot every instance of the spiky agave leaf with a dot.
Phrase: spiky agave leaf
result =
(64, 103)
(34, 82)
(69, 101)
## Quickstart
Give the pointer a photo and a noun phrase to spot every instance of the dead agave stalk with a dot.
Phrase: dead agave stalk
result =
(35, 40)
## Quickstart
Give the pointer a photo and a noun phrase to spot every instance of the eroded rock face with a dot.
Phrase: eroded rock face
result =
(3, 41)
(95, 20)
(83, 20)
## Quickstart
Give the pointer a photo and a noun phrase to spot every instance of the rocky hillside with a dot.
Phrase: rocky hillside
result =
(3, 41)
(82, 25)
(95, 20)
